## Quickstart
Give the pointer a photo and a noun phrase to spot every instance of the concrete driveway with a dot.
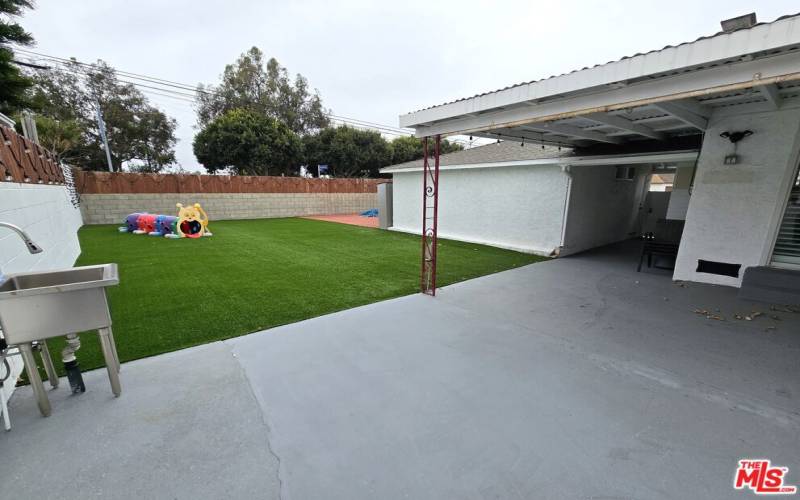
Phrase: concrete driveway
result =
(574, 378)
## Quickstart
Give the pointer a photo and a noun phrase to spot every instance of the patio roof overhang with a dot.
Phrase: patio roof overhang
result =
(665, 158)
(656, 96)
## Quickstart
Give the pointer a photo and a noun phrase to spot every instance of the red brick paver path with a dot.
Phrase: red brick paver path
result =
(352, 219)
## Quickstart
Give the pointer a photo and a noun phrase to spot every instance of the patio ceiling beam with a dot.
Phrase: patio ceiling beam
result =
(626, 125)
(683, 115)
(533, 136)
(694, 106)
(664, 128)
(772, 94)
(572, 131)
(743, 96)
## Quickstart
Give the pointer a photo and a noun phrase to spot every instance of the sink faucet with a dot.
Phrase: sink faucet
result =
(32, 247)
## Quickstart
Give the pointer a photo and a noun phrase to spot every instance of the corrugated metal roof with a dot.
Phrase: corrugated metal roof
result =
(720, 33)
(493, 153)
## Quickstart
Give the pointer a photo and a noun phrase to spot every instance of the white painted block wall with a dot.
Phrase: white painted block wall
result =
(602, 210)
(519, 207)
(46, 214)
(735, 210)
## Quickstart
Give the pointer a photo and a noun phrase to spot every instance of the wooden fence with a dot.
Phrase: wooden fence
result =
(23, 161)
(89, 182)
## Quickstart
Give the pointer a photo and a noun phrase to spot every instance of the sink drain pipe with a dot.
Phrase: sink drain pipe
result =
(71, 364)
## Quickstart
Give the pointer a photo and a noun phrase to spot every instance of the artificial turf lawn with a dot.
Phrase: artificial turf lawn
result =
(256, 274)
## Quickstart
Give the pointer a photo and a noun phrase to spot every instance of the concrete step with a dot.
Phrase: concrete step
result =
(770, 284)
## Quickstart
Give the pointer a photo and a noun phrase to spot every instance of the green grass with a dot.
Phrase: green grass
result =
(257, 274)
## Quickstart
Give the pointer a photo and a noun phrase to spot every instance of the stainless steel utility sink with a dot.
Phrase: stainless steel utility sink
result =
(41, 305)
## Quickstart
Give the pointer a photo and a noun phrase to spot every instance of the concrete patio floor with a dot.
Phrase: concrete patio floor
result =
(573, 378)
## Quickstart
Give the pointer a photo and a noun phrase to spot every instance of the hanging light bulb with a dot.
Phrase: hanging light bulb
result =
(522, 143)
(541, 136)
(470, 138)
(559, 147)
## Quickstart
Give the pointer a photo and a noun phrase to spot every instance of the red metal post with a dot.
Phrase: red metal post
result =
(430, 216)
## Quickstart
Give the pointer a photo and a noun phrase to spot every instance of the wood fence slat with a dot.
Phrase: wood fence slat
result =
(21, 160)
(12, 155)
(90, 182)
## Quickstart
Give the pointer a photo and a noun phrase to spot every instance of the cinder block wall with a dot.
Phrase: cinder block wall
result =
(112, 208)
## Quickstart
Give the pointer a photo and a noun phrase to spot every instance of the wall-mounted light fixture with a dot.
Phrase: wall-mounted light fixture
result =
(734, 137)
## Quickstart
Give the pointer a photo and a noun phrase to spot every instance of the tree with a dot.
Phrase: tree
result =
(248, 143)
(140, 136)
(266, 89)
(349, 152)
(410, 148)
(13, 84)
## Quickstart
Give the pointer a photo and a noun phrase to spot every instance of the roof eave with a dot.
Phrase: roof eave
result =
(779, 34)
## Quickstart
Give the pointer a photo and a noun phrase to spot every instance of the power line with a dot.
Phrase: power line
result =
(77, 72)
(129, 74)
(182, 99)
(183, 86)
(166, 88)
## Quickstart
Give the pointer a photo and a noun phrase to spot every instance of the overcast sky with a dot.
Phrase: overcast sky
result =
(372, 60)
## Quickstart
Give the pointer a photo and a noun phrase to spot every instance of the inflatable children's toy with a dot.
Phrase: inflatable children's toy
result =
(191, 222)
(147, 224)
(131, 223)
(165, 225)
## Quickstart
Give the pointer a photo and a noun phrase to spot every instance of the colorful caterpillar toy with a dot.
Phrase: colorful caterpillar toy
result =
(191, 222)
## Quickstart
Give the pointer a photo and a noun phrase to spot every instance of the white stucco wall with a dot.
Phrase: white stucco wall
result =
(734, 210)
(46, 214)
(679, 200)
(602, 210)
(516, 207)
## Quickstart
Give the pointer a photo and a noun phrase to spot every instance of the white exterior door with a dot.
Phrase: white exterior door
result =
(787, 245)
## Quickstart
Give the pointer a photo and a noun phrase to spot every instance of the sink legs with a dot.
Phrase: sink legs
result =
(26, 350)
(47, 361)
(114, 348)
(112, 366)
(33, 376)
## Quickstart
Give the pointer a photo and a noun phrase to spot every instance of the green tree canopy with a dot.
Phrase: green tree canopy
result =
(140, 136)
(262, 88)
(248, 143)
(410, 148)
(13, 84)
(349, 152)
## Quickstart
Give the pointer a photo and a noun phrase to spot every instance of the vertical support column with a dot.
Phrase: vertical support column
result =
(430, 219)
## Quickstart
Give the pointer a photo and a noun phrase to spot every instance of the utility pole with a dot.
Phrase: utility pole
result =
(29, 127)
(102, 126)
